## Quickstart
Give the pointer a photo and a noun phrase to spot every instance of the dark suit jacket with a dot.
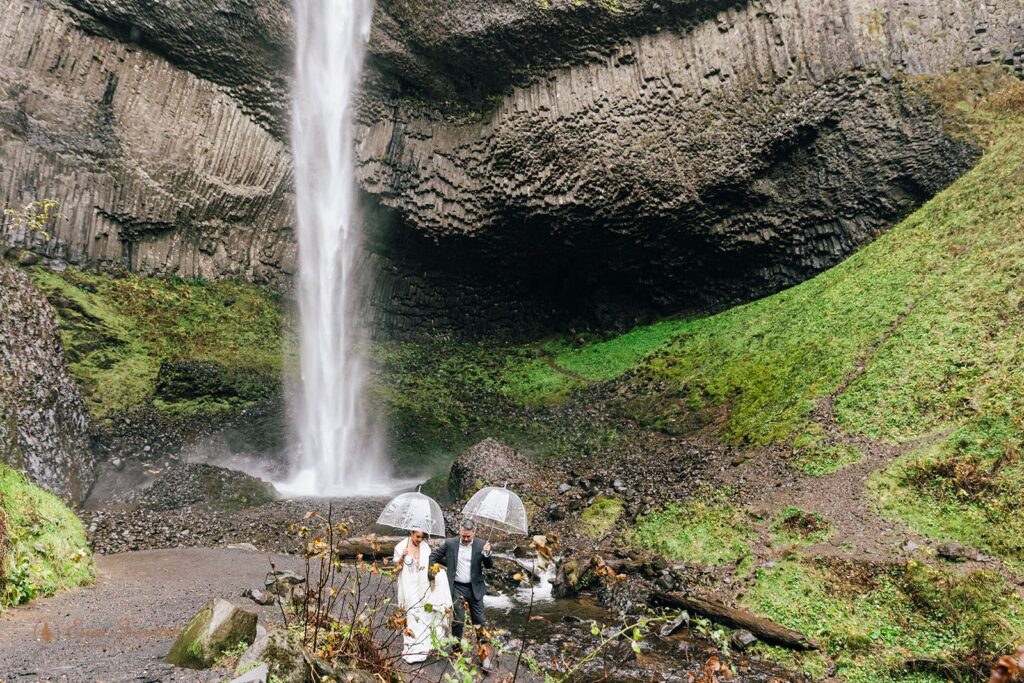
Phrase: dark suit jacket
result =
(447, 554)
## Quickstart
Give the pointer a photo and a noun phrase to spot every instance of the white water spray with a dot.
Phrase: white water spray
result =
(340, 452)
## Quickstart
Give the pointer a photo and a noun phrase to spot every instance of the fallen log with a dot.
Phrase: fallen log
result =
(379, 547)
(624, 566)
(764, 629)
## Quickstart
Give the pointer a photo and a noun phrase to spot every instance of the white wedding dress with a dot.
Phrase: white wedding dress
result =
(427, 607)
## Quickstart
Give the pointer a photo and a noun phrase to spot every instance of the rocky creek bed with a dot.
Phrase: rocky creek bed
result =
(165, 515)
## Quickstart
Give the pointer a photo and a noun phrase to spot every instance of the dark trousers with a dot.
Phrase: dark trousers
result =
(464, 592)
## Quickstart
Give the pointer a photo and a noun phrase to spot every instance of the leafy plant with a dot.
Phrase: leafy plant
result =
(43, 546)
(35, 217)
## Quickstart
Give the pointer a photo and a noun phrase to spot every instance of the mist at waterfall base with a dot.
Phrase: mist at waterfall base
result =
(339, 450)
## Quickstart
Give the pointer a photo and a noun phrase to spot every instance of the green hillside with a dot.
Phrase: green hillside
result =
(926, 321)
(43, 547)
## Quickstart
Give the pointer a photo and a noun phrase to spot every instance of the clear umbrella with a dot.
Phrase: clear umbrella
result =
(497, 508)
(413, 512)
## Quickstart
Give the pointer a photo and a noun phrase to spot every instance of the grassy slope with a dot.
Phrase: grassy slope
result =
(117, 331)
(42, 543)
(946, 283)
(871, 623)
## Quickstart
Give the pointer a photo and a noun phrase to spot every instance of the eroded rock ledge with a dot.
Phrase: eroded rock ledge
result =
(687, 169)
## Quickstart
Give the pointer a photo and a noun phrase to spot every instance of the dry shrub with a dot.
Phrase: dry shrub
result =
(964, 476)
(1008, 100)
(804, 524)
(980, 86)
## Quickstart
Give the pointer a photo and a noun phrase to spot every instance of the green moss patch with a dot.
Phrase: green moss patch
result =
(703, 532)
(126, 337)
(43, 544)
(794, 526)
(442, 396)
(564, 364)
(600, 517)
(889, 623)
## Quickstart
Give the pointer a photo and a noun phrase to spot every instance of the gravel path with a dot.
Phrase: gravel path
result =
(121, 628)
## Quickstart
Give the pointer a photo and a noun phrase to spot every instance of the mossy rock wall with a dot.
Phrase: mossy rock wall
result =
(44, 428)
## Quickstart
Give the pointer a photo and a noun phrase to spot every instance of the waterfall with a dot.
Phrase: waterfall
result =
(339, 450)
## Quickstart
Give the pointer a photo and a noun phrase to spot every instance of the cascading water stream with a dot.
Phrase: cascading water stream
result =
(340, 452)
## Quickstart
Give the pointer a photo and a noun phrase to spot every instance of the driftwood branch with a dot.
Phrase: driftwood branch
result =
(764, 629)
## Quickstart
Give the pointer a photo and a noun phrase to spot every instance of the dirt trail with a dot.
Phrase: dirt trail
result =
(858, 531)
(121, 628)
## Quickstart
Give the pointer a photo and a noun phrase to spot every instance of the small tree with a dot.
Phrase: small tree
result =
(35, 217)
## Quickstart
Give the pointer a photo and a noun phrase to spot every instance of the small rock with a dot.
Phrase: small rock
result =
(683, 619)
(741, 640)
(279, 582)
(563, 488)
(243, 546)
(261, 674)
(258, 596)
(955, 552)
(619, 485)
(910, 547)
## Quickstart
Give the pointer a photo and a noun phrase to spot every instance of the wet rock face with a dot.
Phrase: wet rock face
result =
(243, 46)
(43, 423)
(684, 168)
(156, 169)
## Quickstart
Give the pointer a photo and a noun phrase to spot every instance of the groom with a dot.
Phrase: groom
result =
(465, 557)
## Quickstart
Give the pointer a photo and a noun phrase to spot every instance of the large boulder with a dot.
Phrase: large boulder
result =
(44, 428)
(219, 626)
(489, 463)
(282, 655)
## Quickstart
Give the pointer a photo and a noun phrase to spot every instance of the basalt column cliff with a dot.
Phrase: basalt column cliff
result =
(525, 163)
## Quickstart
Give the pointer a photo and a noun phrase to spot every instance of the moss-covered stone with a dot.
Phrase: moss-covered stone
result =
(219, 626)
(282, 655)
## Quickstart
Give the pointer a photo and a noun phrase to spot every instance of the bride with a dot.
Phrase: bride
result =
(427, 603)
